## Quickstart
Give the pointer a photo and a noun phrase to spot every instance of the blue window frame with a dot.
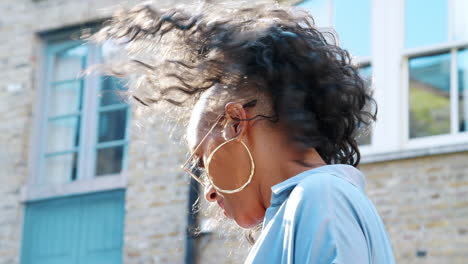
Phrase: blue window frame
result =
(84, 124)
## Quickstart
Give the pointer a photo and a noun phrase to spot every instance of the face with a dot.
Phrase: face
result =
(229, 167)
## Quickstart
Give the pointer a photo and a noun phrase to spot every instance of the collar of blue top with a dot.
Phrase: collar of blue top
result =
(280, 191)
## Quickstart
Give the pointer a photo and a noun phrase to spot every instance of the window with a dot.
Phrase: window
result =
(429, 95)
(112, 122)
(63, 113)
(416, 53)
(319, 10)
(462, 72)
(353, 30)
(435, 39)
(353, 33)
(79, 142)
(433, 16)
(365, 135)
(82, 127)
(429, 23)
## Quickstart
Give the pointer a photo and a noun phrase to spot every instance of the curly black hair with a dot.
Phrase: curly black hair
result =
(314, 87)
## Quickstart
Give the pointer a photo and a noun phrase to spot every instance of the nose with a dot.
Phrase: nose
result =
(210, 194)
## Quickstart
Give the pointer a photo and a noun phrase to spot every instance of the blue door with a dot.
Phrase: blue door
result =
(85, 229)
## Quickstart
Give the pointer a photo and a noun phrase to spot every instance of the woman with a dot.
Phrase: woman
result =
(274, 110)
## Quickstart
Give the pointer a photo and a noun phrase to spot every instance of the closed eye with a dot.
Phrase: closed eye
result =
(200, 163)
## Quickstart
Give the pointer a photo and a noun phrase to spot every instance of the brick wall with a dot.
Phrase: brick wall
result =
(156, 205)
(424, 204)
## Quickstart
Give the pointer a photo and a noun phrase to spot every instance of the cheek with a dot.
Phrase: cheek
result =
(230, 166)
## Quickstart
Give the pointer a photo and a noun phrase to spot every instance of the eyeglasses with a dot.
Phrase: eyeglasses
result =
(191, 165)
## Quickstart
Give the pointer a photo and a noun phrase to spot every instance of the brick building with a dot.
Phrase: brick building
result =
(81, 184)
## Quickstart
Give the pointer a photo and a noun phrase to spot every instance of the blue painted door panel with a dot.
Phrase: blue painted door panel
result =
(85, 229)
(103, 229)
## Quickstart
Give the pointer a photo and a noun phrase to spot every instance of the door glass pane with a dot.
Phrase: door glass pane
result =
(319, 11)
(463, 90)
(68, 63)
(63, 134)
(60, 168)
(65, 98)
(426, 22)
(111, 87)
(353, 30)
(429, 95)
(112, 125)
(364, 134)
(461, 20)
(109, 160)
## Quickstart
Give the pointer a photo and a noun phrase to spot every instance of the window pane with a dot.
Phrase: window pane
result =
(61, 168)
(463, 90)
(429, 95)
(353, 30)
(366, 73)
(65, 98)
(63, 134)
(426, 22)
(365, 133)
(109, 160)
(68, 63)
(318, 10)
(111, 87)
(112, 125)
(461, 20)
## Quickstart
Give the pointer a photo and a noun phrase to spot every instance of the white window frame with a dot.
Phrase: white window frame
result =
(86, 182)
(450, 47)
(390, 76)
(389, 61)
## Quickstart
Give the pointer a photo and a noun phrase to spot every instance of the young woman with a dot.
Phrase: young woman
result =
(274, 110)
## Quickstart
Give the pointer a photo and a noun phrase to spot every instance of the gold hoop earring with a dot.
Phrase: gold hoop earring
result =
(252, 168)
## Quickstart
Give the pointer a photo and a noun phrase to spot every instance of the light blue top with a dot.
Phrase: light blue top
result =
(322, 216)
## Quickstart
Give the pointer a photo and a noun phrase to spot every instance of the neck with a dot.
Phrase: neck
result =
(280, 168)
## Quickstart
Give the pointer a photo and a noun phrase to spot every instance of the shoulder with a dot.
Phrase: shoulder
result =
(323, 185)
(324, 195)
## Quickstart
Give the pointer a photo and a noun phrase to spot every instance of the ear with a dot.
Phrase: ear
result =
(236, 126)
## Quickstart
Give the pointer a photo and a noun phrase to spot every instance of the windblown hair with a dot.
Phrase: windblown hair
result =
(314, 88)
